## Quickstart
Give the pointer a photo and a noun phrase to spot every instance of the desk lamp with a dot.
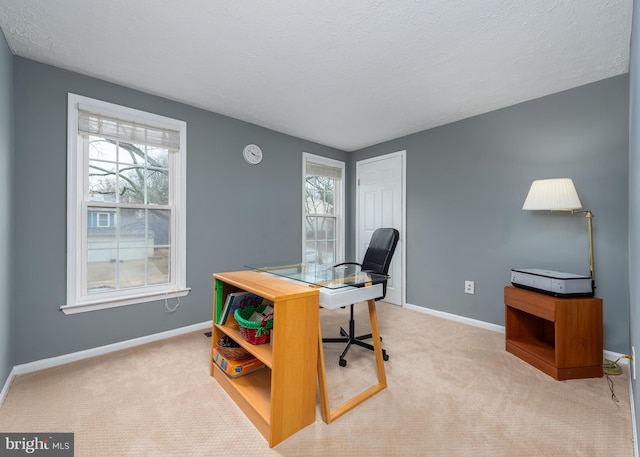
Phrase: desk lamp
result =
(559, 194)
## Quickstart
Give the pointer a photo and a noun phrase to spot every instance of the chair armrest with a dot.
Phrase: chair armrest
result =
(347, 263)
(363, 271)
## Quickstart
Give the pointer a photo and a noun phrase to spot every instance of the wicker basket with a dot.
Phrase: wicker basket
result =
(233, 353)
(231, 350)
(254, 332)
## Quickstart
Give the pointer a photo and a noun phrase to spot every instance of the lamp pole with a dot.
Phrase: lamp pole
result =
(589, 215)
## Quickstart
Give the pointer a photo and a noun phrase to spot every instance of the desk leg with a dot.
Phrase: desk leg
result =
(322, 380)
(377, 344)
(328, 414)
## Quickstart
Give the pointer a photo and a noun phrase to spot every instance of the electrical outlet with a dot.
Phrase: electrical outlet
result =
(469, 287)
(633, 362)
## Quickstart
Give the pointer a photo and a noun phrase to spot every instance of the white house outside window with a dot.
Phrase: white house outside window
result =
(323, 200)
(126, 206)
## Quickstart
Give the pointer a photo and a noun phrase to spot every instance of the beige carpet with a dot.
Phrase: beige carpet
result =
(453, 391)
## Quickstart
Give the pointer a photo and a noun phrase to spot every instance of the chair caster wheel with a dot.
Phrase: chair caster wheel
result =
(342, 362)
(385, 357)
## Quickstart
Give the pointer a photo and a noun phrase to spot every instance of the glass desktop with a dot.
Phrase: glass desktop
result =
(331, 277)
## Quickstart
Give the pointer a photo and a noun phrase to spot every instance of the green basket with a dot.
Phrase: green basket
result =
(254, 332)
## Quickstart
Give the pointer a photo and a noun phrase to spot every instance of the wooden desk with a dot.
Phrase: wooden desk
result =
(560, 336)
(281, 399)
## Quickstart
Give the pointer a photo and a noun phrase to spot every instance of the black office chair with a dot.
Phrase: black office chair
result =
(376, 260)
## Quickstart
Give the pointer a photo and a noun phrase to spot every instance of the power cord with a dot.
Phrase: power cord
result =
(166, 303)
(612, 368)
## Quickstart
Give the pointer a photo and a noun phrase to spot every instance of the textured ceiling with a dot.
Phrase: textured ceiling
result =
(343, 73)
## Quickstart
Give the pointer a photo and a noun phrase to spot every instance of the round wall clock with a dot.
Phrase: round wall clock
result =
(252, 154)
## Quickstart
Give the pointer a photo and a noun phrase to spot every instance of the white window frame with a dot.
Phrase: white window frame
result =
(77, 300)
(339, 206)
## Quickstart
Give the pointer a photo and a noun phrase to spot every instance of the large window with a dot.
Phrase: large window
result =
(126, 206)
(323, 197)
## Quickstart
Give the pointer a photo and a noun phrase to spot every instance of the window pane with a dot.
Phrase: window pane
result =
(132, 268)
(131, 154)
(331, 229)
(328, 203)
(158, 187)
(322, 202)
(321, 252)
(329, 254)
(101, 272)
(131, 184)
(321, 229)
(159, 230)
(313, 200)
(157, 157)
(101, 252)
(310, 228)
(102, 181)
(102, 149)
(159, 266)
(132, 227)
(310, 255)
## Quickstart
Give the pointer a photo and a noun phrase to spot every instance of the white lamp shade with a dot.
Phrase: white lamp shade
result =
(557, 194)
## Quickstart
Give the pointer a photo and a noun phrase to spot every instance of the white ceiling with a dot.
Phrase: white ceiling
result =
(343, 73)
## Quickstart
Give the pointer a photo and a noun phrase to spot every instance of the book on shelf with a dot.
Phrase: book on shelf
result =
(236, 368)
(223, 309)
(237, 300)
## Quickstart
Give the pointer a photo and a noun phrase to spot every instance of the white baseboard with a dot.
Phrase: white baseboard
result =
(610, 355)
(7, 384)
(456, 318)
(86, 354)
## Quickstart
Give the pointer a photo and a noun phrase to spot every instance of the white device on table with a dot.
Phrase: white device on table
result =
(556, 283)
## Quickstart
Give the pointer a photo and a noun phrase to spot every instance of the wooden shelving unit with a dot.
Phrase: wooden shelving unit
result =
(281, 398)
(560, 336)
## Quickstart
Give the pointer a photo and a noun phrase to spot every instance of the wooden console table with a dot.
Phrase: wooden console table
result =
(560, 336)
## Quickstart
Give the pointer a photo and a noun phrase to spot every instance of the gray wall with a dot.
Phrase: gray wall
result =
(6, 152)
(467, 181)
(236, 212)
(634, 204)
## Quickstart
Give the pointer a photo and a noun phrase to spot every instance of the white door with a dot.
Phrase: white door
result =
(380, 203)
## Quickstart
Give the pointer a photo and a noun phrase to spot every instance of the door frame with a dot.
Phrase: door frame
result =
(403, 218)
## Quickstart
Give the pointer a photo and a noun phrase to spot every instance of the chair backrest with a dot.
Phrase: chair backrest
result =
(380, 251)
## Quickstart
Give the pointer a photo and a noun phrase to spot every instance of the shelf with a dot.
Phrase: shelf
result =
(252, 393)
(261, 351)
(541, 349)
(254, 387)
